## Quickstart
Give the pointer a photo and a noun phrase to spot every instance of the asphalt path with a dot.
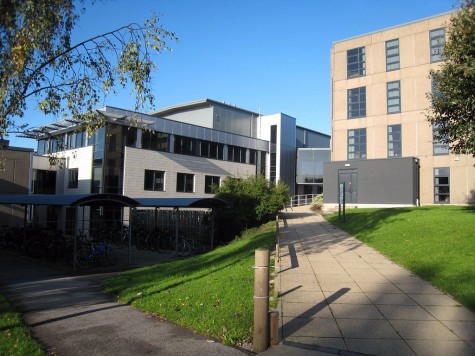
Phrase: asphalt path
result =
(71, 316)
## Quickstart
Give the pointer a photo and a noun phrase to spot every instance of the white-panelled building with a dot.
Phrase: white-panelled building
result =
(179, 151)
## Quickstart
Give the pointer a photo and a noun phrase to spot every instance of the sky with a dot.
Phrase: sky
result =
(266, 56)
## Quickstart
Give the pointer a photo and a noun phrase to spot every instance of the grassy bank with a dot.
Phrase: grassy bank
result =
(437, 243)
(210, 293)
(15, 338)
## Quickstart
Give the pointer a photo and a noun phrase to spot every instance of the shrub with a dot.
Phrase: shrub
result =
(317, 203)
(252, 202)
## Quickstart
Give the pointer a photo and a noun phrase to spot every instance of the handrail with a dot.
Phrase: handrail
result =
(299, 200)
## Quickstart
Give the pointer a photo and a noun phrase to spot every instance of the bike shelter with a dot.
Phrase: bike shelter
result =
(76, 201)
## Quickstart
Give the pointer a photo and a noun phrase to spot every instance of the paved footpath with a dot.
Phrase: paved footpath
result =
(71, 316)
(340, 296)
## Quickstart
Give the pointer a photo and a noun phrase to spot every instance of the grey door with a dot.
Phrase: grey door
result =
(350, 178)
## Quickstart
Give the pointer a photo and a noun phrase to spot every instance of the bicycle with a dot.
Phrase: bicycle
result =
(89, 253)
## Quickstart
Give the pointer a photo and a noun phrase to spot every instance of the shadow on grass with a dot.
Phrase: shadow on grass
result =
(183, 271)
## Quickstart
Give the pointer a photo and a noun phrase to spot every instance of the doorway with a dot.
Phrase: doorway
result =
(350, 178)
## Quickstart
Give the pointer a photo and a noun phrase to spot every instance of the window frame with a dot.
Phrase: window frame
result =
(359, 96)
(150, 182)
(356, 57)
(391, 140)
(73, 178)
(357, 145)
(396, 97)
(437, 44)
(392, 65)
(183, 182)
(210, 181)
(438, 148)
(437, 185)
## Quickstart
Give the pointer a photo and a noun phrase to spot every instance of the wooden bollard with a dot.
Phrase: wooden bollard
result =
(261, 300)
(274, 327)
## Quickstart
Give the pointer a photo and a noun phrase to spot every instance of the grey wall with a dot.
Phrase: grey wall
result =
(380, 181)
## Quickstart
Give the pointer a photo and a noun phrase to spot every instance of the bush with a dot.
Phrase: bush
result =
(252, 202)
(317, 203)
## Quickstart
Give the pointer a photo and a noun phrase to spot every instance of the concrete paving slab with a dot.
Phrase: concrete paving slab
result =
(311, 327)
(404, 312)
(440, 348)
(441, 312)
(423, 330)
(355, 311)
(367, 329)
(379, 346)
(373, 306)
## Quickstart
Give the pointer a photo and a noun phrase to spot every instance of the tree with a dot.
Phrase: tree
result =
(38, 62)
(252, 201)
(453, 99)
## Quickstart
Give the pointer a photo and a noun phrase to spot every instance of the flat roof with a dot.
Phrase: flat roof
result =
(395, 26)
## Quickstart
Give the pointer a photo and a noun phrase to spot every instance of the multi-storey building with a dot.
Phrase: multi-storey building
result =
(180, 151)
(383, 146)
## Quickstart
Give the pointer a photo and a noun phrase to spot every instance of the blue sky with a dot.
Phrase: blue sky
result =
(266, 56)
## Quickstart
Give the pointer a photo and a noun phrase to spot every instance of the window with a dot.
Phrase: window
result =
(392, 55)
(154, 180)
(442, 185)
(210, 182)
(184, 145)
(185, 182)
(73, 178)
(357, 144)
(394, 97)
(356, 102)
(438, 145)
(394, 141)
(437, 43)
(155, 141)
(356, 66)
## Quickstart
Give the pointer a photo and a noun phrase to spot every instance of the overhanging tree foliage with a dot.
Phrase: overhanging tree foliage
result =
(453, 100)
(252, 201)
(40, 66)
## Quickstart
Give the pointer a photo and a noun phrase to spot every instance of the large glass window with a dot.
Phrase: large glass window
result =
(356, 62)
(73, 178)
(184, 145)
(154, 180)
(210, 183)
(394, 97)
(357, 144)
(185, 182)
(394, 141)
(156, 141)
(356, 102)
(442, 185)
(392, 55)
(437, 43)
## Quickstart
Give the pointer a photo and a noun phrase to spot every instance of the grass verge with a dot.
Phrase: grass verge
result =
(15, 338)
(437, 243)
(210, 293)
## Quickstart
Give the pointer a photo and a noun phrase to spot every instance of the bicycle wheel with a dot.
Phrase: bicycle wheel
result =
(35, 248)
(183, 249)
(110, 257)
(85, 256)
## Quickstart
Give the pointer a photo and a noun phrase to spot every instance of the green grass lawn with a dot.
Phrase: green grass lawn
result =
(437, 243)
(210, 293)
(15, 338)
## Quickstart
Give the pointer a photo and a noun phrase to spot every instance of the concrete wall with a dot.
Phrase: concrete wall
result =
(416, 132)
(382, 182)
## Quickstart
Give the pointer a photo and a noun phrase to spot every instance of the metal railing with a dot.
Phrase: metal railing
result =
(299, 200)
